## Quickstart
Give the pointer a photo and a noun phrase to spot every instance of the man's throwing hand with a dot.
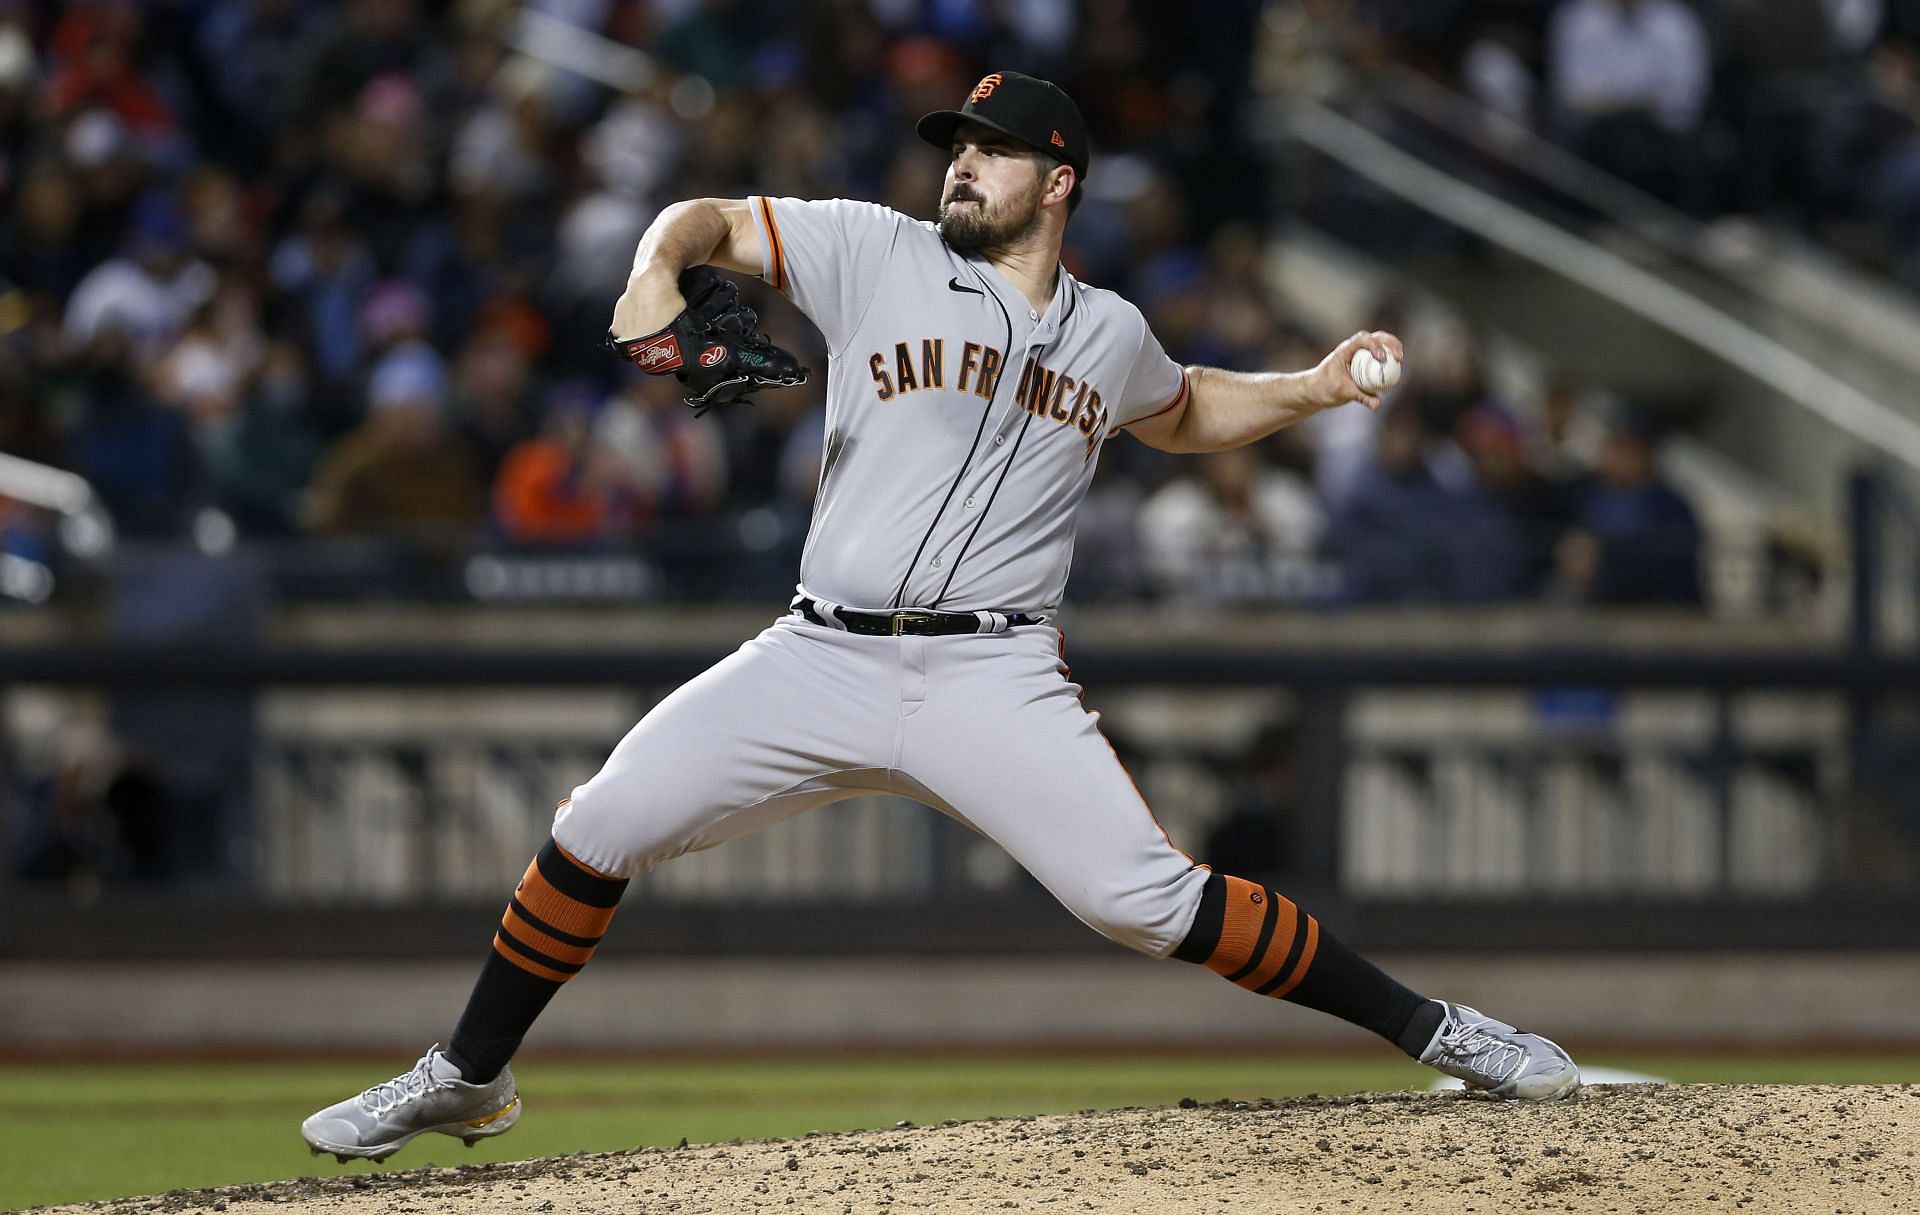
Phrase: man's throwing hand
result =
(1335, 372)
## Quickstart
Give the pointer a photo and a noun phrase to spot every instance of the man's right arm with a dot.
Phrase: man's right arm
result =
(698, 232)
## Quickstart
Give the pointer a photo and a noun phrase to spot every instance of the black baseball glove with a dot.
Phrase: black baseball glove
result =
(713, 346)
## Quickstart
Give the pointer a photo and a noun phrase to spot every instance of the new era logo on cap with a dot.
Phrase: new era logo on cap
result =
(1057, 141)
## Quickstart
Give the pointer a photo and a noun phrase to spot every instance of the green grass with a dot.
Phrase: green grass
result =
(69, 1133)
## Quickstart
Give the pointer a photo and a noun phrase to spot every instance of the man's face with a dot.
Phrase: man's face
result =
(993, 188)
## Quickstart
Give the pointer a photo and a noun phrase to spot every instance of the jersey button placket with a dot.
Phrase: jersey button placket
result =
(989, 469)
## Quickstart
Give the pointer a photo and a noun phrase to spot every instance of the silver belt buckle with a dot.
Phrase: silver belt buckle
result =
(900, 620)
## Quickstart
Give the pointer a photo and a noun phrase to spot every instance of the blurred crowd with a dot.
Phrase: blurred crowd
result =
(1448, 495)
(323, 271)
(1805, 112)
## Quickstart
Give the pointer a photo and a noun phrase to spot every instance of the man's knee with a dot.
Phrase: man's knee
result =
(607, 832)
(1150, 918)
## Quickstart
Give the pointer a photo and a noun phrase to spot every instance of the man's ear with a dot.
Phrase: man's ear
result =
(1060, 183)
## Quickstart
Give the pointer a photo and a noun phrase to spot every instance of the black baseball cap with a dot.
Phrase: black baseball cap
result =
(1036, 112)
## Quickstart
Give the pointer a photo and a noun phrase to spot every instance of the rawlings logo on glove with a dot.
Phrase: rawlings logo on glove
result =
(658, 355)
(735, 359)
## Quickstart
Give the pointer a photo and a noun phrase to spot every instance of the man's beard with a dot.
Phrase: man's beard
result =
(981, 227)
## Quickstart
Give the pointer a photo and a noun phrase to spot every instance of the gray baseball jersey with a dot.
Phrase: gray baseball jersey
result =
(962, 429)
(962, 424)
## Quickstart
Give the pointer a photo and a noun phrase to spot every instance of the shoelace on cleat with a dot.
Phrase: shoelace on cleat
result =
(1484, 1053)
(389, 1095)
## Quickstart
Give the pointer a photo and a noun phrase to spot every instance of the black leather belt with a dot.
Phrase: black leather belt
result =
(910, 623)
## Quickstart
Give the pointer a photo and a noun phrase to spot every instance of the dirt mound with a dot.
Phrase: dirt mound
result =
(1627, 1150)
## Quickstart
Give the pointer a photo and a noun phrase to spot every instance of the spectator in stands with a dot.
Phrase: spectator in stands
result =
(635, 148)
(801, 459)
(149, 292)
(1237, 529)
(1537, 510)
(256, 44)
(100, 152)
(1175, 291)
(1635, 539)
(95, 64)
(1401, 535)
(1242, 316)
(665, 462)
(381, 149)
(397, 475)
(493, 398)
(509, 145)
(552, 489)
(41, 244)
(396, 316)
(592, 256)
(1107, 559)
(205, 374)
(361, 41)
(475, 264)
(222, 228)
(259, 461)
(709, 40)
(1496, 69)
(1565, 446)
(1451, 384)
(323, 270)
(758, 451)
(1629, 82)
(134, 451)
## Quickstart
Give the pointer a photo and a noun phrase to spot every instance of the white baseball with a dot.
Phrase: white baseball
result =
(1371, 374)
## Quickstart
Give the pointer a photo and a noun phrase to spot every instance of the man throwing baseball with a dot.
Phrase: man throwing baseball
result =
(971, 385)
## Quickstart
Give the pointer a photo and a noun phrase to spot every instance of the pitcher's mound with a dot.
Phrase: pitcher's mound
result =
(1634, 1150)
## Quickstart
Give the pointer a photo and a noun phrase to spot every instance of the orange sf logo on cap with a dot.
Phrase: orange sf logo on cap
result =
(985, 88)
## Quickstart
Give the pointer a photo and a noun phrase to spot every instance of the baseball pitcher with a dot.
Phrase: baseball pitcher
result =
(971, 384)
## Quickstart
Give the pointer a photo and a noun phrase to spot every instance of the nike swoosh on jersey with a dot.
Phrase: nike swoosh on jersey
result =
(954, 284)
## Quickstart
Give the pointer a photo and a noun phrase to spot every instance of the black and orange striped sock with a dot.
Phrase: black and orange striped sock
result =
(555, 918)
(1259, 939)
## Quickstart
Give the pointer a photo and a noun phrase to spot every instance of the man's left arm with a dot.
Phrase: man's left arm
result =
(1222, 409)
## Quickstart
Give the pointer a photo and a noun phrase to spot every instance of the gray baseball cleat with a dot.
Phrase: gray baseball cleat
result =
(431, 1097)
(1490, 1054)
